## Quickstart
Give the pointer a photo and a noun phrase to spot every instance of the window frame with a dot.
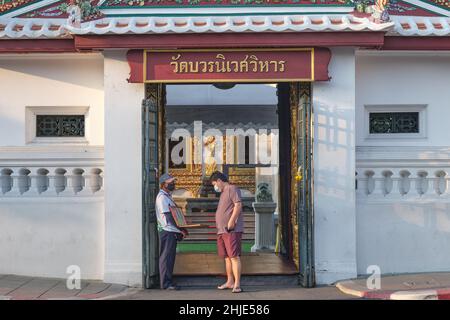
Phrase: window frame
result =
(396, 108)
(31, 121)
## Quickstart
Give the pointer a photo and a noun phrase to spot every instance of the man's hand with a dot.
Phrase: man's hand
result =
(184, 232)
(231, 224)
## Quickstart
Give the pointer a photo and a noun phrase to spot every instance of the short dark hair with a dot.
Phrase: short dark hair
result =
(218, 175)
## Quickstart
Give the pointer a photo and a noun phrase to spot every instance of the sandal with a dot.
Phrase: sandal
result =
(224, 286)
(237, 290)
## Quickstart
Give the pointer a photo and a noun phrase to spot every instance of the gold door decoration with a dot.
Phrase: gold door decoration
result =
(157, 93)
(294, 101)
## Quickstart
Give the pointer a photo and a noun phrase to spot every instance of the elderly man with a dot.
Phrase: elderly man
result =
(230, 226)
(169, 233)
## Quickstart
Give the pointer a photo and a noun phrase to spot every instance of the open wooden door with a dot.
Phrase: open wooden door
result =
(152, 109)
(303, 179)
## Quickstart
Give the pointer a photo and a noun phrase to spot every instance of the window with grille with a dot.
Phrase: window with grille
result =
(60, 125)
(393, 122)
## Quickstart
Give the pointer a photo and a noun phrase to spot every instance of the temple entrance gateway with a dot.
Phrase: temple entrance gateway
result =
(287, 177)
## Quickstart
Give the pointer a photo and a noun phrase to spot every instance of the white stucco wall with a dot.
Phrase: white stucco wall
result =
(409, 233)
(241, 94)
(41, 235)
(334, 169)
(402, 78)
(49, 80)
(123, 172)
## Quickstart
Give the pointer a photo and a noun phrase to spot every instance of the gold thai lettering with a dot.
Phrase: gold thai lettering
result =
(184, 67)
(254, 62)
(244, 65)
(220, 64)
(236, 65)
(204, 66)
(193, 67)
(264, 66)
(275, 65)
(175, 62)
(281, 63)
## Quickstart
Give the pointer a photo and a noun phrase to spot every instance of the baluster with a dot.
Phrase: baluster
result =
(430, 181)
(100, 182)
(88, 186)
(379, 183)
(77, 180)
(406, 184)
(446, 184)
(416, 187)
(51, 189)
(396, 184)
(62, 182)
(439, 184)
(34, 182)
(16, 189)
(6, 181)
(361, 179)
(420, 183)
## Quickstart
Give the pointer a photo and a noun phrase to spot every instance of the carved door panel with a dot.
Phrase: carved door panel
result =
(302, 181)
(152, 110)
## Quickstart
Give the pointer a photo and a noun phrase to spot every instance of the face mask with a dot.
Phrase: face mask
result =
(216, 188)
(171, 186)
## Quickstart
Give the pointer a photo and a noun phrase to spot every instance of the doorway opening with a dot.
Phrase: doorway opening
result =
(259, 135)
(233, 129)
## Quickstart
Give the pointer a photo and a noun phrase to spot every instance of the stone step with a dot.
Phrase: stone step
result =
(213, 231)
(213, 214)
(246, 280)
(213, 221)
(213, 237)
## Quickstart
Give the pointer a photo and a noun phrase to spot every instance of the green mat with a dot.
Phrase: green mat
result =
(207, 247)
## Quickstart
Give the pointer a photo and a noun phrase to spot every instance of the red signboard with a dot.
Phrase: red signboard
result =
(229, 65)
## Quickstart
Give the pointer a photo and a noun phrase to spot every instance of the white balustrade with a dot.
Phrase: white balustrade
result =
(50, 181)
(403, 183)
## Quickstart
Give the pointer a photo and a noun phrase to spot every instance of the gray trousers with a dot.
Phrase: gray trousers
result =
(167, 253)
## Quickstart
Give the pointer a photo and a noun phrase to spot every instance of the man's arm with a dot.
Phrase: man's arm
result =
(171, 221)
(235, 215)
(169, 218)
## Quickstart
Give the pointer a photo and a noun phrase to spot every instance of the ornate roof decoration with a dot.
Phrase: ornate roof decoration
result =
(217, 3)
(89, 10)
(441, 3)
(63, 18)
(10, 5)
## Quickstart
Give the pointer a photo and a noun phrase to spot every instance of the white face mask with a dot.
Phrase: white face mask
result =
(216, 188)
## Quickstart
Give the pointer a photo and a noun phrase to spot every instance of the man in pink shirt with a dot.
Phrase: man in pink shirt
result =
(230, 226)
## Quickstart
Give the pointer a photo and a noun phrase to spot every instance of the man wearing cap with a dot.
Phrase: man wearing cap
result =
(169, 234)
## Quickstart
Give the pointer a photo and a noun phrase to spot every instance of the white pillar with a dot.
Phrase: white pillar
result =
(334, 170)
(123, 172)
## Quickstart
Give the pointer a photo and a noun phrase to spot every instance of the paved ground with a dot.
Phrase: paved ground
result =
(14, 287)
(249, 293)
(421, 286)
(398, 287)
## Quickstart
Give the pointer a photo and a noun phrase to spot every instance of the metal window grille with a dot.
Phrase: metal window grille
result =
(60, 125)
(394, 122)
